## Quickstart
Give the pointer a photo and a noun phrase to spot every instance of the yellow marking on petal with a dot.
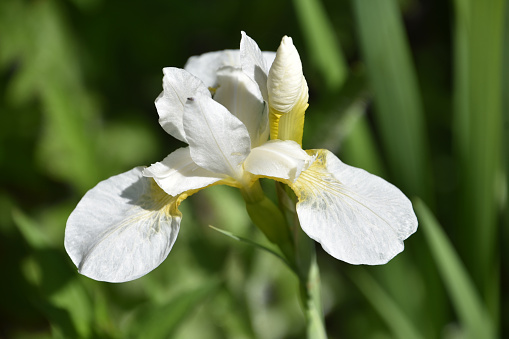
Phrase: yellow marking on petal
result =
(315, 179)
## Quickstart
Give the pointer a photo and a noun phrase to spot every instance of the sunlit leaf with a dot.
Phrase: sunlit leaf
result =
(387, 308)
(397, 100)
(162, 321)
(465, 298)
(254, 244)
(323, 45)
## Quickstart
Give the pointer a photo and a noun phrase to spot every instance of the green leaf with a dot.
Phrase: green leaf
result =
(30, 230)
(387, 308)
(64, 301)
(398, 104)
(254, 244)
(465, 299)
(312, 297)
(359, 145)
(49, 69)
(162, 321)
(478, 123)
(323, 46)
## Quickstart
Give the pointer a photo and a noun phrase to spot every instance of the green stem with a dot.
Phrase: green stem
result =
(296, 246)
(311, 300)
(306, 266)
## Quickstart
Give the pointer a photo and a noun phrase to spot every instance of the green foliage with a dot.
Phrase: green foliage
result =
(412, 91)
(470, 309)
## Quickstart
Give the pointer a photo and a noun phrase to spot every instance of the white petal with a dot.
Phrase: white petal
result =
(253, 63)
(205, 66)
(122, 228)
(269, 58)
(242, 97)
(219, 141)
(356, 216)
(178, 85)
(178, 173)
(278, 159)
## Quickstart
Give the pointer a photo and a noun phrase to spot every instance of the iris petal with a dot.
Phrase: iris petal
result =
(178, 85)
(178, 173)
(219, 141)
(357, 217)
(122, 228)
(278, 159)
(242, 97)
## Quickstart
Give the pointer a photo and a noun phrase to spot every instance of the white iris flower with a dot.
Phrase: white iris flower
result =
(224, 105)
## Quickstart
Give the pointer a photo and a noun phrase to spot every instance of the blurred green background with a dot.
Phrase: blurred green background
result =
(414, 91)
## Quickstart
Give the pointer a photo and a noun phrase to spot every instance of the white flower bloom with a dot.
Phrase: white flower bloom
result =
(223, 105)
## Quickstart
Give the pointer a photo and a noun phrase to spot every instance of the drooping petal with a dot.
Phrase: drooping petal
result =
(288, 94)
(178, 85)
(178, 173)
(357, 217)
(242, 97)
(205, 66)
(278, 159)
(219, 141)
(253, 63)
(122, 228)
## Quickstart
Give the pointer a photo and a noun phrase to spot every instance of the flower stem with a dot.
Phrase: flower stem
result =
(268, 218)
(306, 266)
(310, 287)
(295, 245)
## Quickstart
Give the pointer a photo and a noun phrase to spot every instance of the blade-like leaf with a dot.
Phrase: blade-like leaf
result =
(397, 100)
(478, 122)
(323, 46)
(465, 299)
(154, 322)
(389, 310)
(254, 244)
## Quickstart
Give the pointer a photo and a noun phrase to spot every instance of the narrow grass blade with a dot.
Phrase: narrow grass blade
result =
(33, 234)
(162, 321)
(323, 46)
(390, 312)
(311, 290)
(477, 129)
(254, 244)
(359, 146)
(397, 100)
(464, 297)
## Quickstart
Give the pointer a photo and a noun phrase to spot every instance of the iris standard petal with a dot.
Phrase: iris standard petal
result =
(357, 217)
(178, 173)
(205, 66)
(219, 141)
(253, 63)
(178, 85)
(242, 97)
(122, 228)
(278, 159)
